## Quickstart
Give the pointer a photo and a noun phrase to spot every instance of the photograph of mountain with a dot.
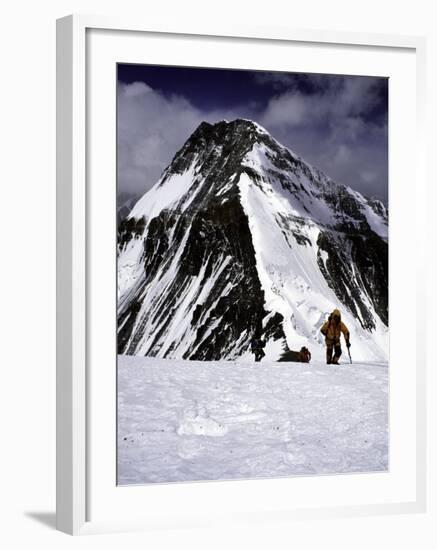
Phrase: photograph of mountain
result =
(252, 255)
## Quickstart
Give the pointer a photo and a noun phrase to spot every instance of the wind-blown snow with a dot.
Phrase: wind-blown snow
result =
(189, 420)
(377, 224)
(165, 193)
(129, 268)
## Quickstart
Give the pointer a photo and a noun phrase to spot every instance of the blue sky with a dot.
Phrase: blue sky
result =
(336, 123)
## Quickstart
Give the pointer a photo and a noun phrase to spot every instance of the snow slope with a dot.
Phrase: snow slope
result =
(201, 420)
(290, 276)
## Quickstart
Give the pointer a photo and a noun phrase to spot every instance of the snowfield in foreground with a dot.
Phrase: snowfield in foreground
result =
(198, 420)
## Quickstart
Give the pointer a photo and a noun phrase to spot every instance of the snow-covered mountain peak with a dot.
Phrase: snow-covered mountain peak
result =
(215, 156)
(213, 152)
(241, 236)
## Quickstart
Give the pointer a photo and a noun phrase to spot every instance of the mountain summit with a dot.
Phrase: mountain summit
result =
(241, 236)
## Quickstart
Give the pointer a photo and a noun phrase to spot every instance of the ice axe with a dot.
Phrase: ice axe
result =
(349, 351)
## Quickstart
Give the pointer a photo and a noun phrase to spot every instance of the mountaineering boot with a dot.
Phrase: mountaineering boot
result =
(337, 354)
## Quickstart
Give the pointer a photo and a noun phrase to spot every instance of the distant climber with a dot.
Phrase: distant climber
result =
(256, 347)
(332, 330)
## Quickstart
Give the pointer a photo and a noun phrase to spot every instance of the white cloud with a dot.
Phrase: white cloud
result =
(368, 177)
(151, 128)
(326, 127)
(343, 154)
(289, 109)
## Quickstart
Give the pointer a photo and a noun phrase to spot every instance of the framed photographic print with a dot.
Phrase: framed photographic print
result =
(234, 208)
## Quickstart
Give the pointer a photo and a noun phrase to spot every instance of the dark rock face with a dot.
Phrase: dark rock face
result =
(129, 228)
(218, 232)
(361, 257)
(209, 234)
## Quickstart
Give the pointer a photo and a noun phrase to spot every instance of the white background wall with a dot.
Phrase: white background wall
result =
(27, 217)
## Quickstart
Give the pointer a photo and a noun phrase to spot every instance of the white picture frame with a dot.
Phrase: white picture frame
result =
(74, 394)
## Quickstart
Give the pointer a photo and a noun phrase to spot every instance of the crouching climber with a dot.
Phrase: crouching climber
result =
(304, 355)
(291, 356)
(332, 330)
(256, 347)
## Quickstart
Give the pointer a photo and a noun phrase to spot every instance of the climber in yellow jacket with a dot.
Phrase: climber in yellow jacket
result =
(332, 330)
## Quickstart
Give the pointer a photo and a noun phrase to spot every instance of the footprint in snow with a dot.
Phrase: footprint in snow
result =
(199, 425)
